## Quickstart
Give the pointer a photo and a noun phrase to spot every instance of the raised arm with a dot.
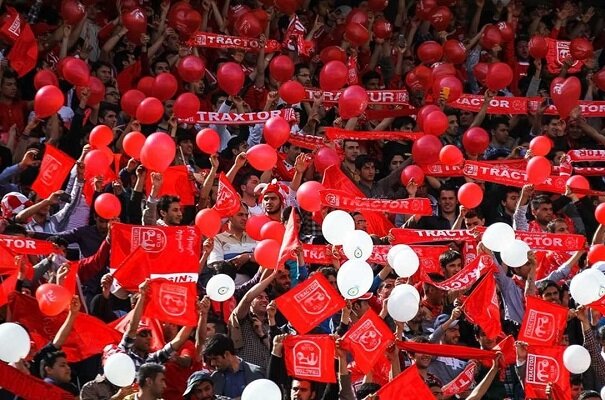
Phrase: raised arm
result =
(68, 324)
(243, 307)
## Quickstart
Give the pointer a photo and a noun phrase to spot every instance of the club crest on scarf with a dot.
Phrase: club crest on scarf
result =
(307, 359)
(173, 299)
(152, 240)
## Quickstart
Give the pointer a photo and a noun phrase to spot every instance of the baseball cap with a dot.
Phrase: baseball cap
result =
(194, 379)
(144, 325)
(440, 320)
(13, 203)
(342, 11)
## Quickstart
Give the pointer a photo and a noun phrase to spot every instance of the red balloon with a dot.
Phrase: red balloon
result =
(208, 221)
(133, 143)
(96, 163)
(412, 172)
(165, 86)
(382, 29)
(506, 31)
(186, 105)
(136, 22)
(150, 111)
(450, 86)
(436, 123)
(72, 11)
(332, 53)
(191, 68)
(480, 70)
(254, 225)
(76, 72)
(262, 17)
(475, 140)
(235, 13)
(288, 7)
(491, 37)
(230, 78)
(441, 69)
(357, 34)
(424, 112)
(145, 85)
(101, 135)
(45, 77)
(538, 170)
(97, 91)
(499, 76)
(412, 81)
(424, 76)
(108, 153)
(324, 158)
(158, 152)
(377, 5)
(578, 182)
(281, 68)
(454, 51)
(565, 94)
(429, 52)
(266, 253)
(261, 157)
(108, 206)
(441, 18)
(599, 213)
(599, 79)
(273, 230)
(248, 25)
(308, 197)
(131, 100)
(451, 155)
(596, 253)
(276, 131)
(333, 76)
(184, 19)
(352, 102)
(358, 16)
(425, 8)
(581, 49)
(470, 195)
(208, 141)
(61, 65)
(48, 101)
(292, 92)
(540, 146)
(537, 47)
(53, 299)
(425, 150)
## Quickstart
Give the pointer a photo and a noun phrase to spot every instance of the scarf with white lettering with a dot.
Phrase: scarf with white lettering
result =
(338, 133)
(345, 201)
(217, 41)
(252, 118)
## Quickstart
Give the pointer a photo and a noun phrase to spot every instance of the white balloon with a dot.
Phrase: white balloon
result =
(406, 262)
(406, 288)
(119, 369)
(600, 265)
(587, 286)
(358, 245)
(354, 278)
(220, 287)
(336, 226)
(264, 389)
(515, 255)
(603, 393)
(576, 359)
(403, 306)
(498, 236)
(14, 342)
(393, 251)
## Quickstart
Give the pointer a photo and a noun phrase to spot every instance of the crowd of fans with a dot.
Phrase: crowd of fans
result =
(241, 340)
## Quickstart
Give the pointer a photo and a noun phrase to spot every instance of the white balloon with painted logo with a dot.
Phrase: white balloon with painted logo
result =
(354, 279)
(358, 245)
(515, 255)
(220, 287)
(119, 369)
(587, 286)
(264, 389)
(336, 226)
(14, 342)
(498, 236)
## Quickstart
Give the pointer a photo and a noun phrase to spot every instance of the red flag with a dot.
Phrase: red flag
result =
(157, 335)
(88, 337)
(545, 365)
(133, 270)
(172, 302)
(310, 357)
(481, 307)
(367, 340)
(380, 372)
(163, 245)
(54, 168)
(11, 26)
(128, 76)
(23, 56)
(71, 280)
(228, 201)
(507, 347)
(558, 51)
(334, 179)
(21, 245)
(290, 241)
(7, 286)
(462, 382)
(7, 261)
(175, 182)
(407, 385)
(29, 387)
(543, 322)
(309, 303)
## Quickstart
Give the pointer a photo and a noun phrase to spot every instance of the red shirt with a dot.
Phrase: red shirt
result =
(176, 376)
(14, 113)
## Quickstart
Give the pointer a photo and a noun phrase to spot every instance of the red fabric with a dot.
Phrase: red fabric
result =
(450, 350)
(380, 372)
(7, 287)
(507, 347)
(13, 113)
(407, 385)
(545, 365)
(88, 337)
(283, 171)
(23, 56)
(54, 168)
(290, 241)
(462, 382)
(367, 340)
(11, 26)
(71, 280)
(310, 357)
(29, 387)
(466, 277)
(309, 303)
(90, 267)
(133, 270)
(24, 245)
(175, 182)
(338, 133)
(543, 322)
(128, 76)
(344, 201)
(7, 261)
(228, 201)
(176, 376)
(157, 335)
(172, 302)
(481, 307)
(558, 51)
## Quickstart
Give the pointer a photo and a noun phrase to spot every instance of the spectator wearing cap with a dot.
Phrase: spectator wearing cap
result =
(446, 331)
(152, 382)
(275, 196)
(200, 386)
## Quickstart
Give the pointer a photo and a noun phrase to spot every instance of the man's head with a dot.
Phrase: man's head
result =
(522, 49)
(447, 200)
(433, 294)
(102, 225)
(361, 224)
(302, 390)
(451, 263)
(199, 387)
(303, 74)
(144, 336)
(366, 389)
(453, 124)
(151, 380)
(273, 200)
(386, 287)
(509, 199)
(159, 66)
(247, 182)
(282, 282)
(351, 150)
(577, 386)
(238, 221)
(102, 70)
(466, 118)
(185, 140)
(8, 86)
(554, 126)
(108, 115)
(485, 342)
(541, 209)
(557, 225)
(219, 351)
(452, 334)
(371, 80)
(500, 129)
(366, 166)
(291, 152)
(259, 304)
(422, 361)
(474, 218)
(170, 210)
(361, 304)
(549, 291)
(55, 366)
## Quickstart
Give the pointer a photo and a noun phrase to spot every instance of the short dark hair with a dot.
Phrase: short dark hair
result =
(543, 285)
(498, 121)
(148, 370)
(368, 76)
(49, 360)
(449, 256)
(225, 267)
(105, 107)
(537, 201)
(300, 66)
(474, 212)
(15, 229)
(552, 224)
(328, 271)
(366, 389)
(59, 241)
(587, 394)
(166, 200)
(242, 179)
(364, 159)
(218, 345)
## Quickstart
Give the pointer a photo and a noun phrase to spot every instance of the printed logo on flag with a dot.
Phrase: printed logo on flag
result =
(542, 370)
(367, 335)
(173, 299)
(307, 359)
(563, 53)
(15, 27)
(152, 240)
(51, 166)
(314, 299)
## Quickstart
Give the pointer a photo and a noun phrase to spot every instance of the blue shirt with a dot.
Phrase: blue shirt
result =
(235, 382)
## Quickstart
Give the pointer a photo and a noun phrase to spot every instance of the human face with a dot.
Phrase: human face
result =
(373, 84)
(551, 294)
(112, 95)
(522, 50)
(168, 105)
(271, 203)
(360, 222)
(187, 147)
(453, 125)
(248, 188)
(259, 304)
(452, 335)
(142, 342)
(368, 172)
(510, 204)
(544, 213)
(9, 88)
(351, 151)
(301, 390)
(219, 363)
(555, 128)
(102, 225)
(422, 360)
(239, 220)
(304, 76)
(292, 153)
(396, 162)
(561, 227)
(104, 74)
(447, 201)
(282, 281)
(158, 385)
(501, 133)
(60, 372)
(110, 119)
(385, 288)
(437, 392)
(466, 118)
(161, 67)
(174, 215)
(203, 391)
(473, 222)
(452, 268)
(485, 342)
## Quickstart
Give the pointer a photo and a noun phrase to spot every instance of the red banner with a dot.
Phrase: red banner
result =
(586, 155)
(163, 246)
(544, 366)
(408, 236)
(22, 245)
(344, 201)
(338, 133)
(228, 201)
(310, 357)
(467, 276)
(28, 387)
(133, 271)
(175, 182)
(462, 382)
(54, 169)
(217, 41)
(448, 350)
(367, 340)
(481, 307)
(497, 105)
(309, 142)
(382, 97)
(251, 118)
(543, 322)
(549, 241)
(172, 302)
